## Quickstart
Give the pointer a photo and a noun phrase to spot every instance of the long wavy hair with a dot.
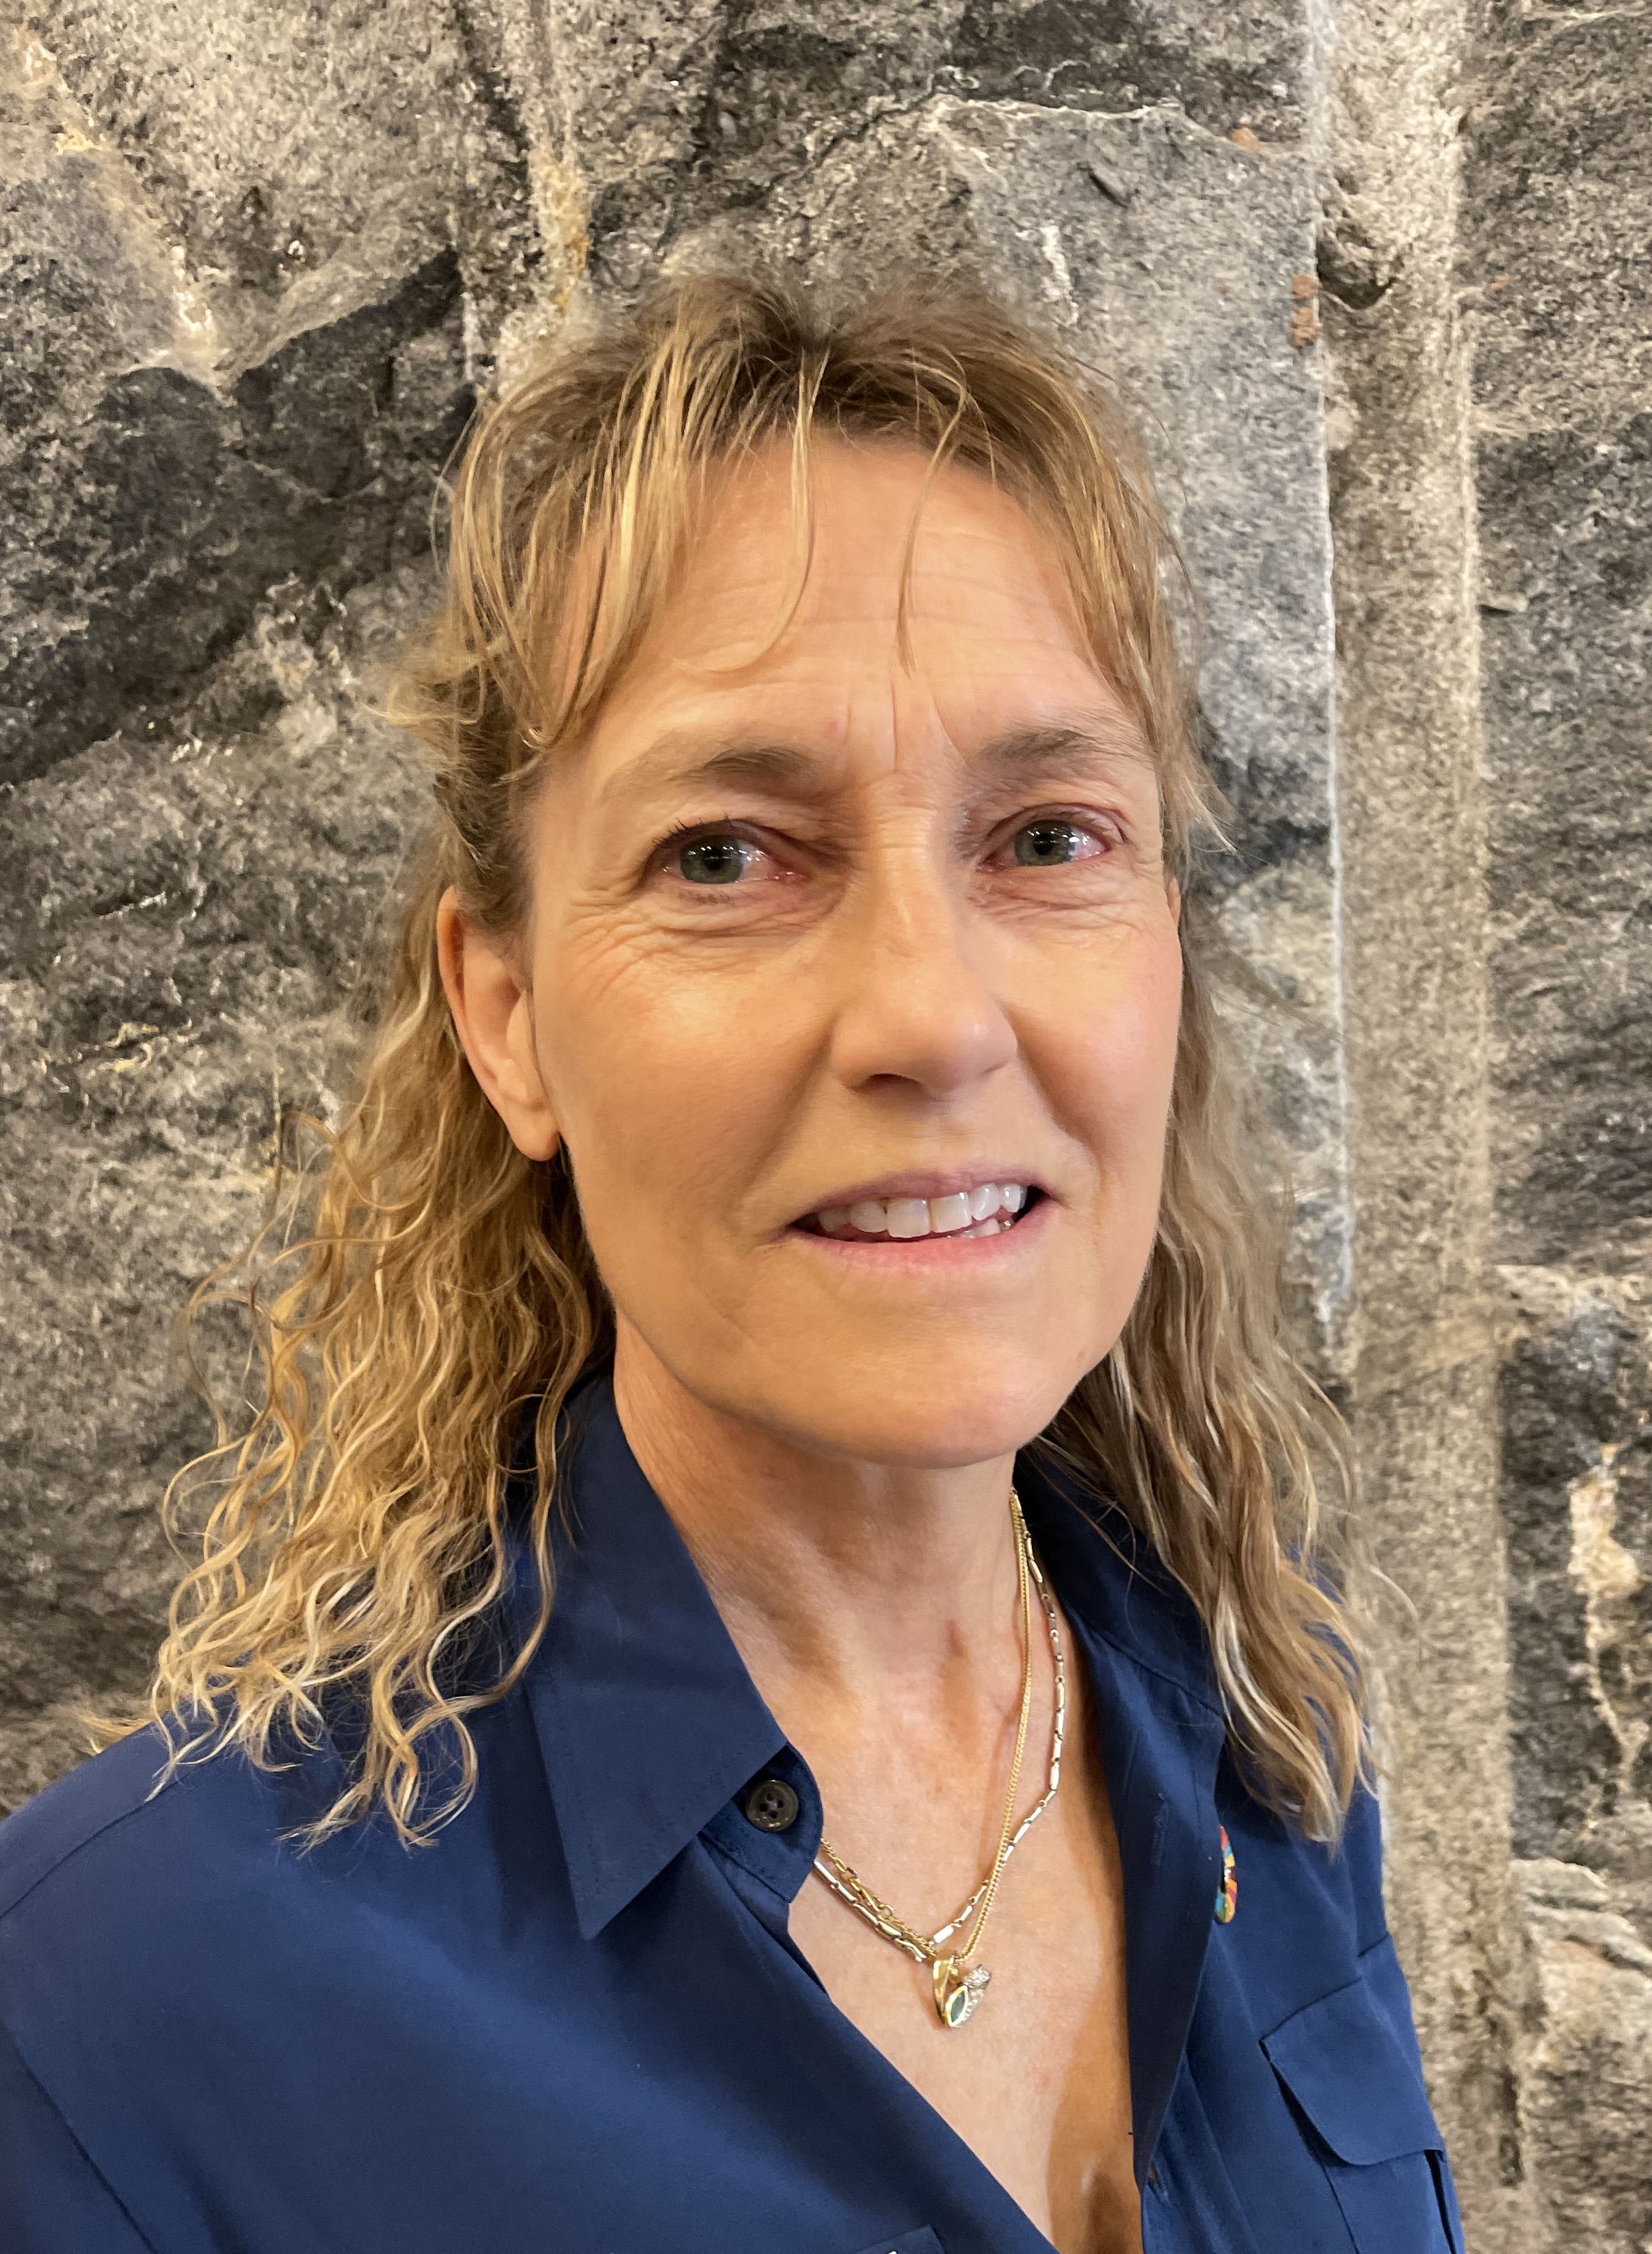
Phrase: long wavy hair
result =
(420, 1287)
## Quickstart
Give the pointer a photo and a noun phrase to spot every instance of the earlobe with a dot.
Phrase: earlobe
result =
(492, 1014)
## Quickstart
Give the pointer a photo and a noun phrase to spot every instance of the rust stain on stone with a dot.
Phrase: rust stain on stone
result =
(1304, 318)
(1305, 327)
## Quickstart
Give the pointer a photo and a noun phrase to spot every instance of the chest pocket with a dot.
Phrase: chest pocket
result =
(1355, 2078)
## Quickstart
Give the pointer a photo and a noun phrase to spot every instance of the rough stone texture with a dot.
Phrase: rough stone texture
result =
(179, 920)
(257, 265)
(234, 336)
(1590, 2062)
(1423, 1389)
(1556, 267)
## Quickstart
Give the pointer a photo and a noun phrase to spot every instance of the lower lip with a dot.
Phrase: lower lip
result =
(926, 1255)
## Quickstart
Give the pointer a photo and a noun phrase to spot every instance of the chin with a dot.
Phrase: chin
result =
(918, 1418)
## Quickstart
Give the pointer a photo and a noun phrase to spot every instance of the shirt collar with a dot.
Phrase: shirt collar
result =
(1109, 1576)
(647, 1720)
(646, 1717)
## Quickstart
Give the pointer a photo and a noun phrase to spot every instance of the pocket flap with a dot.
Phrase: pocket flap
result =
(1357, 2080)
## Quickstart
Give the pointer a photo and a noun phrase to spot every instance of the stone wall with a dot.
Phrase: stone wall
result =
(1376, 277)
(1555, 267)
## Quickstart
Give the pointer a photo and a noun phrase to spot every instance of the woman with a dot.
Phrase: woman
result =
(762, 1675)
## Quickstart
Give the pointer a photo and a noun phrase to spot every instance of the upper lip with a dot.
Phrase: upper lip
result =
(922, 1182)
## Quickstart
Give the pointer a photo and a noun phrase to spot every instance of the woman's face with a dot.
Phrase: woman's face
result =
(829, 932)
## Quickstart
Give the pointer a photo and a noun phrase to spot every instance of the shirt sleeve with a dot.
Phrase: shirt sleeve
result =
(53, 2200)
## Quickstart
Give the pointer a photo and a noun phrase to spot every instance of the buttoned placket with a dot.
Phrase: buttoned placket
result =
(628, 1752)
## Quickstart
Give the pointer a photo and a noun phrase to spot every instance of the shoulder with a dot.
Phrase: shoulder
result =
(124, 1902)
(168, 1950)
(125, 1891)
(48, 1833)
(155, 1938)
(118, 1868)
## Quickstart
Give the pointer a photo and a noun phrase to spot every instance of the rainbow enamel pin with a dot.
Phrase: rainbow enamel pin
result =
(1228, 1893)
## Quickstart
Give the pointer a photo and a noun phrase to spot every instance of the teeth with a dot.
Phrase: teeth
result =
(962, 1213)
(947, 1214)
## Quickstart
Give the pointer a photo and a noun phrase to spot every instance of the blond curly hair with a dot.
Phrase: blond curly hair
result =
(439, 1287)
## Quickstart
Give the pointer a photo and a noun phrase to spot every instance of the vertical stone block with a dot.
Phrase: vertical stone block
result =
(1556, 267)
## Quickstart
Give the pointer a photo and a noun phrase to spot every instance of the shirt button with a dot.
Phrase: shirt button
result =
(772, 1805)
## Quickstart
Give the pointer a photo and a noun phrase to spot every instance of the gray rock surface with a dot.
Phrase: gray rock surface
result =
(1556, 264)
(257, 264)
(1422, 1392)
(182, 916)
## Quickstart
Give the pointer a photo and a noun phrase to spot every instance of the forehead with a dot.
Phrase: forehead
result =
(988, 638)
(882, 515)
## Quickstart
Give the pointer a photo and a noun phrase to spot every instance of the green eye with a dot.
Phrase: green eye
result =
(1048, 844)
(711, 860)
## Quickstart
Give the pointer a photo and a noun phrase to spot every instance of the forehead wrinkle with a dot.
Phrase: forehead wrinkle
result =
(682, 759)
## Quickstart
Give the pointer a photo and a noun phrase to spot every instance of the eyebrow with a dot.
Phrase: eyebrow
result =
(679, 759)
(1107, 737)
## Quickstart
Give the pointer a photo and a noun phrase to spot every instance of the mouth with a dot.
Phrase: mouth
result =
(981, 1209)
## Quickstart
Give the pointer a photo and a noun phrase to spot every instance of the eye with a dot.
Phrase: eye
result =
(1052, 841)
(721, 859)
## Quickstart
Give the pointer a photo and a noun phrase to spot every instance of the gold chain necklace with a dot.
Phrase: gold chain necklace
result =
(959, 1985)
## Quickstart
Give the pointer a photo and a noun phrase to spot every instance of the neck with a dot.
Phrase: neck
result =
(839, 1578)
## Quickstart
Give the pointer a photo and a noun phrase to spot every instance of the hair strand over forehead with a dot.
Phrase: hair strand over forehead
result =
(577, 495)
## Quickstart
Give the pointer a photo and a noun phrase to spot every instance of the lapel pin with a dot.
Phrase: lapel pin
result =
(1228, 1891)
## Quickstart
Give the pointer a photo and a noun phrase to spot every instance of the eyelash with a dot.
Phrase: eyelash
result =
(1105, 828)
(684, 831)
(690, 833)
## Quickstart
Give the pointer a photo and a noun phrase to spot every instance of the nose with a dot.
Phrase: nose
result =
(917, 1006)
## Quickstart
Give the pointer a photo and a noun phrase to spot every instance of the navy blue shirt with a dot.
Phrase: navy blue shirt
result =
(577, 2022)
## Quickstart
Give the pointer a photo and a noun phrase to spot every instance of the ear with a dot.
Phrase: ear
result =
(493, 1009)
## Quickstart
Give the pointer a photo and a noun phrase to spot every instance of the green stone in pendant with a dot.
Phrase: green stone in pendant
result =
(958, 1990)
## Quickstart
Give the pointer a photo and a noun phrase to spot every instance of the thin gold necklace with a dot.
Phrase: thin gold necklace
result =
(958, 1984)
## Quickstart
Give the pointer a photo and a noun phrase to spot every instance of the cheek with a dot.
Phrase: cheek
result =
(664, 1097)
(1107, 1040)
